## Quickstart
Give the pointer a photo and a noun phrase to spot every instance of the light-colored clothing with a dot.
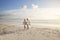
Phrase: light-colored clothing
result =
(26, 22)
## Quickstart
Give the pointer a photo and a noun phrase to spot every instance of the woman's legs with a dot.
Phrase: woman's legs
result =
(24, 26)
(27, 26)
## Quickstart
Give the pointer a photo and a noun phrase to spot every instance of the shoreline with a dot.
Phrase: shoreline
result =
(36, 26)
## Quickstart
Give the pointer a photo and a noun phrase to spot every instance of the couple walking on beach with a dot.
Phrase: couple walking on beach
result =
(26, 23)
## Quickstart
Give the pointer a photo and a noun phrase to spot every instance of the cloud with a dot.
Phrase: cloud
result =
(24, 7)
(34, 6)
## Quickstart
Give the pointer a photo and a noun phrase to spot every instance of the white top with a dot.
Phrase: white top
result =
(26, 22)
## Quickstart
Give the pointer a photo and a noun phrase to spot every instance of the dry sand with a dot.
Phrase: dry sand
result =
(16, 32)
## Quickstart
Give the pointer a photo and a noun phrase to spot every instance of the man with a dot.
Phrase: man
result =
(28, 23)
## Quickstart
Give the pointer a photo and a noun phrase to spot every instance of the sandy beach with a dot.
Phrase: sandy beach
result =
(16, 32)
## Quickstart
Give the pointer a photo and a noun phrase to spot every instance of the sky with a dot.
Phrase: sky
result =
(35, 9)
(16, 4)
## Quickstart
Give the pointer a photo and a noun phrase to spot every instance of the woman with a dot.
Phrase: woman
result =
(25, 23)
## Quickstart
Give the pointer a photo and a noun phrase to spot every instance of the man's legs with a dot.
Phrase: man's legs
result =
(27, 26)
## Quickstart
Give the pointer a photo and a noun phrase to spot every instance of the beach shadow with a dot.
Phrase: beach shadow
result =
(11, 32)
(4, 32)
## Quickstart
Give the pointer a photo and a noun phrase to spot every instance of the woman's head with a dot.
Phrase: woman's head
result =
(24, 19)
(27, 18)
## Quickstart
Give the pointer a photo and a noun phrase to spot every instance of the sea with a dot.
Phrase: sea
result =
(19, 20)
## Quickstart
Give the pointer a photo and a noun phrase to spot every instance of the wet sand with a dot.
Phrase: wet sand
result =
(16, 32)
